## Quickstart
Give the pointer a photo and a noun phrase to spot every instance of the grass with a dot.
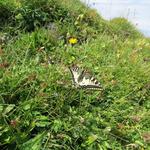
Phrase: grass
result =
(39, 107)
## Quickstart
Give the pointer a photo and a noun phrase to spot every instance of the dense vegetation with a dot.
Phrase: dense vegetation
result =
(39, 107)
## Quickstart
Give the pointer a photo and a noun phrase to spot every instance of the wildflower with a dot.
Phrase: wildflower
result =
(13, 123)
(73, 40)
(4, 65)
(120, 125)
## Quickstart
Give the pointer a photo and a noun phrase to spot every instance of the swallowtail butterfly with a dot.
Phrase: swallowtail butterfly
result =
(83, 79)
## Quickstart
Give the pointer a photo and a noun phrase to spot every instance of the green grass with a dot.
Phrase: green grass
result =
(39, 107)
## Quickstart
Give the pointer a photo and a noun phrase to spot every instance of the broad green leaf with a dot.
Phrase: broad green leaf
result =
(27, 106)
(8, 109)
(42, 121)
(34, 143)
(57, 124)
(91, 139)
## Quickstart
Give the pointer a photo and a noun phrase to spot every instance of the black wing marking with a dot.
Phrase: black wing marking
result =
(82, 79)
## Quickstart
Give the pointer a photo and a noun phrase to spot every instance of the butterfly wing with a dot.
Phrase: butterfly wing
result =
(76, 74)
(89, 82)
(82, 79)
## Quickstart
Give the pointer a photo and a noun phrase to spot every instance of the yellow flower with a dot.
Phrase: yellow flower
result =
(73, 40)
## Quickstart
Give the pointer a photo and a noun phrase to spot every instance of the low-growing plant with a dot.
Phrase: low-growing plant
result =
(39, 106)
(124, 28)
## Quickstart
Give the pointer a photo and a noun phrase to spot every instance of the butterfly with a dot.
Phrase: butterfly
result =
(83, 79)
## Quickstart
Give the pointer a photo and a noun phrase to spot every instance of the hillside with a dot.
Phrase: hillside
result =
(39, 106)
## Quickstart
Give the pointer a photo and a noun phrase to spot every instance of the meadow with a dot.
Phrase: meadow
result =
(39, 106)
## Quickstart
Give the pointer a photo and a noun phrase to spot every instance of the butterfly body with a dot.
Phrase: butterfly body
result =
(83, 79)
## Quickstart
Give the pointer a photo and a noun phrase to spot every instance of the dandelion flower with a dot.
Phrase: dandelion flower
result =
(73, 40)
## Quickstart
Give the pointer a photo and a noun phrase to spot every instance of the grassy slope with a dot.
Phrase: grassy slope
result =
(39, 107)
